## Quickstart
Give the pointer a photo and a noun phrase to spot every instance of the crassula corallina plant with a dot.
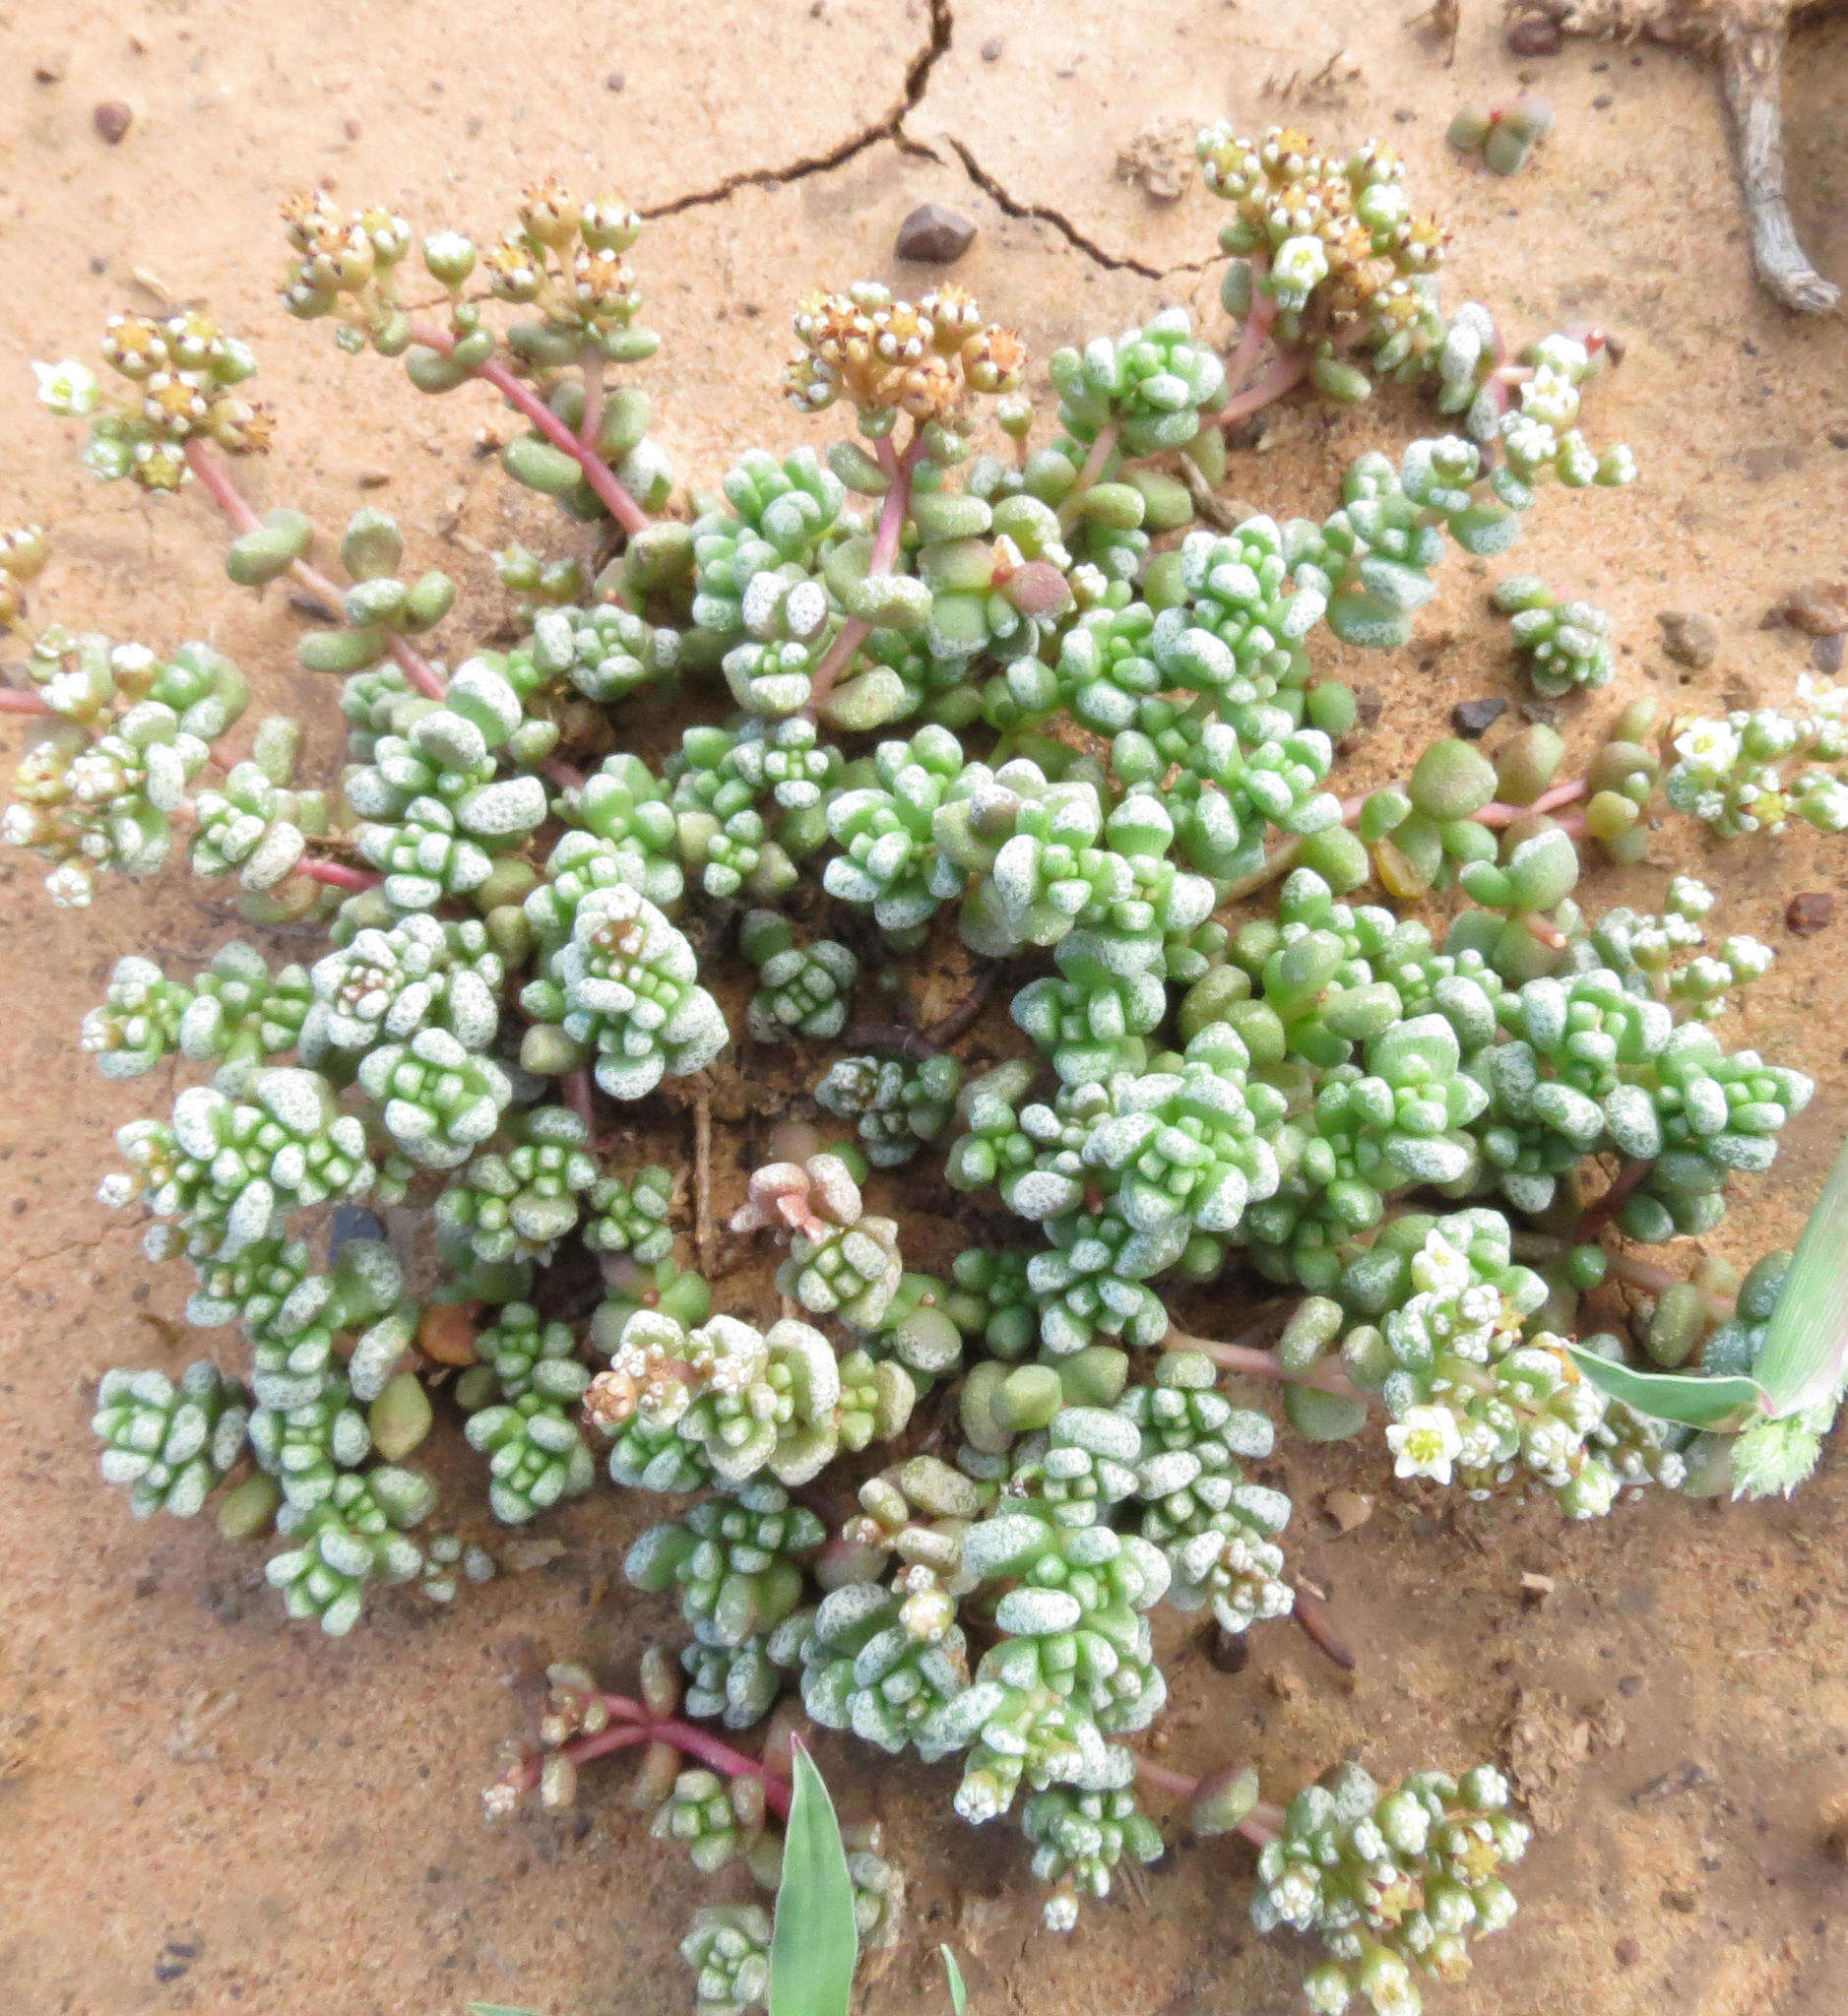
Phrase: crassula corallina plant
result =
(958, 662)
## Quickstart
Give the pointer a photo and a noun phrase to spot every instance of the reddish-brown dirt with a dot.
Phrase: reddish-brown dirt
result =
(205, 1809)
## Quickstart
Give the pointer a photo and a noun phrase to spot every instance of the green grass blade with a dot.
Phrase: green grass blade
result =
(815, 1943)
(498, 2009)
(959, 1995)
(1717, 1404)
(1806, 1344)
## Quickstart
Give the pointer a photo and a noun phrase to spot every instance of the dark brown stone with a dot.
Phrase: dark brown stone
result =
(934, 236)
(112, 119)
(1534, 34)
(1473, 719)
(1809, 913)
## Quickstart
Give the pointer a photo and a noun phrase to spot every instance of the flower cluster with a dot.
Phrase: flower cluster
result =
(887, 356)
(179, 383)
(1395, 1883)
(1740, 773)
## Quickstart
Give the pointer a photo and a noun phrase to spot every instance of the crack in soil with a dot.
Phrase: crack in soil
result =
(32, 1260)
(917, 74)
(891, 127)
(1039, 213)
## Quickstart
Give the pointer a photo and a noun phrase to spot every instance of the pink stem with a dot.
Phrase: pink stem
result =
(1326, 1377)
(602, 478)
(215, 481)
(885, 542)
(591, 366)
(575, 1087)
(1548, 933)
(1102, 449)
(337, 875)
(1567, 794)
(1614, 1199)
(696, 1743)
(1182, 1784)
(1312, 1615)
(1255, 327)
(1645, 1273)
(562, 773)
(1264, 1822)
(14, 701)
(1270, 384)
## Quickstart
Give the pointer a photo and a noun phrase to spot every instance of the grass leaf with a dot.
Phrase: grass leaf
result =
(815, 1943)
(959, 1995)
(1806, 1344)
(1716, 1403)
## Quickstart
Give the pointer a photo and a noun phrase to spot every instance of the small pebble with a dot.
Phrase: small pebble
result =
(446, 1333)
(1348, 1509)
(1367, 700)
(934, 236)
(373, 479)
(112, 119)
(312, 607)
(1819, 609)
(1838, 437)
(1683, 1901)
(1626, 1952)
(615, 81)
(1689, 638)
(1603, 102)
(1535, 1589)
(1826, 653)
(351, 127)
(1473, 719)
(1834, 1817)
(51, 68)
(992, 49)
(1811, 912)
(1534, 34)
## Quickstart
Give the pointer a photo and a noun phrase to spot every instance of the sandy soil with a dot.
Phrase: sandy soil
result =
(203, 1809)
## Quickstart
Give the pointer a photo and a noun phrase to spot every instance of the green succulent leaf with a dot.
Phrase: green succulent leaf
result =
(1806, 1344)
(815, 1943)
(1695, 1402)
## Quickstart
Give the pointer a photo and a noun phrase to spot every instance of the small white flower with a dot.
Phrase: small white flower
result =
(1439, 1269)
(21, 826)
(1550, 398)
(1826, 700)
(70, 886)
(1529, 442)
(1298, 267)
(1711, 745)
(1426, 1443)
(1060, 1912)
(69, 389)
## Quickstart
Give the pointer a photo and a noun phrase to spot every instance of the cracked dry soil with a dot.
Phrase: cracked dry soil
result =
(201, 1808)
